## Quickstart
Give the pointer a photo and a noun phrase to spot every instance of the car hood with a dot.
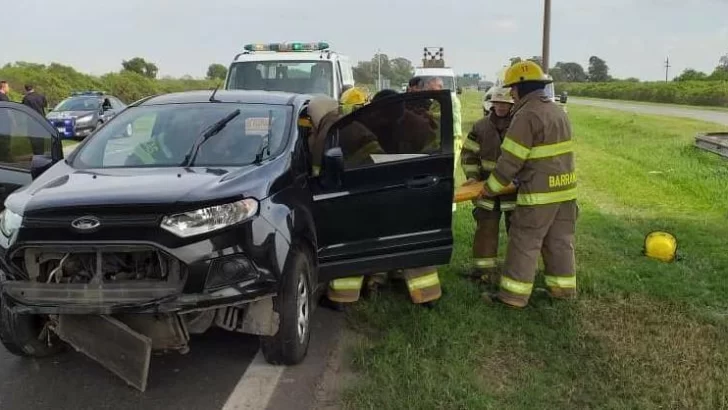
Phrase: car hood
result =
(54, 115)
(65, 187)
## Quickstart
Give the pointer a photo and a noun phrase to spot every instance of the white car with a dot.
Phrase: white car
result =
(295, 67)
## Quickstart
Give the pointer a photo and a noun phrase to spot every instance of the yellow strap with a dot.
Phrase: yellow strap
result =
(493, 184)
(515, 149)
(487, 165)
(424, 281)
(564, 282)
(507, 206)
(316, 170)
(516, 287)
(350, 283)
(485, 262)
(544, 198)
(471, 145)
(551, 150)
(484, 204)
(470, 168)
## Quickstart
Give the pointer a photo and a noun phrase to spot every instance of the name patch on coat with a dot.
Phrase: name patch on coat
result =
(562, 180)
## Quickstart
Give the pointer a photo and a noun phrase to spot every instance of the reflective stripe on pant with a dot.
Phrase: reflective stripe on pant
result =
(345, 290)
(546, 230)
(423, 284)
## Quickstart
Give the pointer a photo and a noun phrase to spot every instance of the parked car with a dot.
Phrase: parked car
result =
(209, 214)
(81, 113)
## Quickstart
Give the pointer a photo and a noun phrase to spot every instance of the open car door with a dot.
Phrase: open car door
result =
(383, 198)
(28, 146)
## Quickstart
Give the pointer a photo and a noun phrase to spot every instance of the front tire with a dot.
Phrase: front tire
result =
(27, 335)
(294, 306)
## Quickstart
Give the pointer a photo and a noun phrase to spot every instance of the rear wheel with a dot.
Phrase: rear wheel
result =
(293, 304)
(27, 335)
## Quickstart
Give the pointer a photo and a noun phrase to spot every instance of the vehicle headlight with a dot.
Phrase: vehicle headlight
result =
(85, 118)
(9, 222)
(210, 219)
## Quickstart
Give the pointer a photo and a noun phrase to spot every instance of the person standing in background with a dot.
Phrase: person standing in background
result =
(4, 91)
(35, 100)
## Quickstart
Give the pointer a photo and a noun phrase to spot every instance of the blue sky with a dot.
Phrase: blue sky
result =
(185, 36)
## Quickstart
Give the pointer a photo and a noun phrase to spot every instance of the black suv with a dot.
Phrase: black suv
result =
(80, 114)
(209, 214)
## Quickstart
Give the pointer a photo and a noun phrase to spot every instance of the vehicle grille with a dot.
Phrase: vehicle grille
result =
(107, 221)
(97, 264)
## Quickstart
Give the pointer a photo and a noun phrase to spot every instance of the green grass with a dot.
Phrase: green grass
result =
(641, 335)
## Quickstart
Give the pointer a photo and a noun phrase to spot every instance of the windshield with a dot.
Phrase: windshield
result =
(447, 82)
(79, 104)
(162, 135)
(301, 77)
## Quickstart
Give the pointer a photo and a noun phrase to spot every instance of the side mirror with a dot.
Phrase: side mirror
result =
(39, 164)
(333, 167)
(563, 98)
(459, 90)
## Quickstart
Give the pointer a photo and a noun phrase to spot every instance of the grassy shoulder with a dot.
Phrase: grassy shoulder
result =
(642, 334)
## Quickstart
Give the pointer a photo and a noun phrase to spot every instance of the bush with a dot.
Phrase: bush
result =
(57, 81)
(706, 93)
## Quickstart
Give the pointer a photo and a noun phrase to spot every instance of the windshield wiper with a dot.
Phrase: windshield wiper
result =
(214, 129)
(265, 146)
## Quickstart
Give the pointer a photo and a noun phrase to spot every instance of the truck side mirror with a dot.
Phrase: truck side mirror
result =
(459, 90)
(333, 167)
(39, 164)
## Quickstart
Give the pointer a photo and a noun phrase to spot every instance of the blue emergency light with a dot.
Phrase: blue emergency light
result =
(284, 47)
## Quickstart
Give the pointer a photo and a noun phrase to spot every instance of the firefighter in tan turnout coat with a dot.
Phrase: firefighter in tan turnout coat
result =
(481, 150)
(538, 153)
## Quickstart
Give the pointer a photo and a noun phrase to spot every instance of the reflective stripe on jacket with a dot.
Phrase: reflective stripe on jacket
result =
(480, 153)
(538, 152)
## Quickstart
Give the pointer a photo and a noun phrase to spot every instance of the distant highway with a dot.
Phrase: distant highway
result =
(720, 117)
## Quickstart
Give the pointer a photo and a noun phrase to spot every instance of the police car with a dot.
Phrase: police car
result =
(294, 67)
(80, 114)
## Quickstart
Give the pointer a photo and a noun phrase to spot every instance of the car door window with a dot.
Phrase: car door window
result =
(21, 137)
(118, 105)
(397, 128)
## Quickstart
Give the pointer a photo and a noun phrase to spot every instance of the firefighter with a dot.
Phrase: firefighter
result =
(480, 152)
(538, 153)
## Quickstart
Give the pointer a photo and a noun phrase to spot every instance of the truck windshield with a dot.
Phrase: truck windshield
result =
(448, 83)
(162, 135)
(301, 77)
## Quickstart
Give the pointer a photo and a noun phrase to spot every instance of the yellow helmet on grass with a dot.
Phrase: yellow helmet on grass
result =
(525, 71)
(661, 246)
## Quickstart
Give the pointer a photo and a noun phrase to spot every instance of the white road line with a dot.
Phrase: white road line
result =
(255, 388)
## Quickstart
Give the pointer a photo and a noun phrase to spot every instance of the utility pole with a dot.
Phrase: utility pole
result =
(379, 70)
(667, 67)
(545, 50)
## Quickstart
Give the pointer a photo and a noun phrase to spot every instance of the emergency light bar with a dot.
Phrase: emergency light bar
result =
(282, 47)
(76, 93)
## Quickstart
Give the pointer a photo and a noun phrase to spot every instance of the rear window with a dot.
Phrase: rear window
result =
(448, 83)
(301, 77)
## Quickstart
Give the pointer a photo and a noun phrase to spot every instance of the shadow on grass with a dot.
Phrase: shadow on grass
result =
(638, 336)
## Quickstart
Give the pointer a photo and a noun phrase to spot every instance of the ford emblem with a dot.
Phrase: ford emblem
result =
(86, 224)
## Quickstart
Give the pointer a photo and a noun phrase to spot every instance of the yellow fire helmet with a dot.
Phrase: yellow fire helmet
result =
(502, 95)
(661, 246)
(353, 99)
(525, 71)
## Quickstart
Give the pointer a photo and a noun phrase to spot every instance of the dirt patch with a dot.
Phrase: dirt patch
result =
(656, 353)
(339, 374)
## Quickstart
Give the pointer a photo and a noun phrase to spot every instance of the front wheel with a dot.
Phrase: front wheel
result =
(293, 304)
(27, 335)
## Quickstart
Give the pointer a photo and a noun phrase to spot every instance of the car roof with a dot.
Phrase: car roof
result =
(286, 56)
(228, 96)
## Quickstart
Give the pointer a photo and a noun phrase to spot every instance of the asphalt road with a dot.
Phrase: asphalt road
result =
(203, 379)
(720, 117)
